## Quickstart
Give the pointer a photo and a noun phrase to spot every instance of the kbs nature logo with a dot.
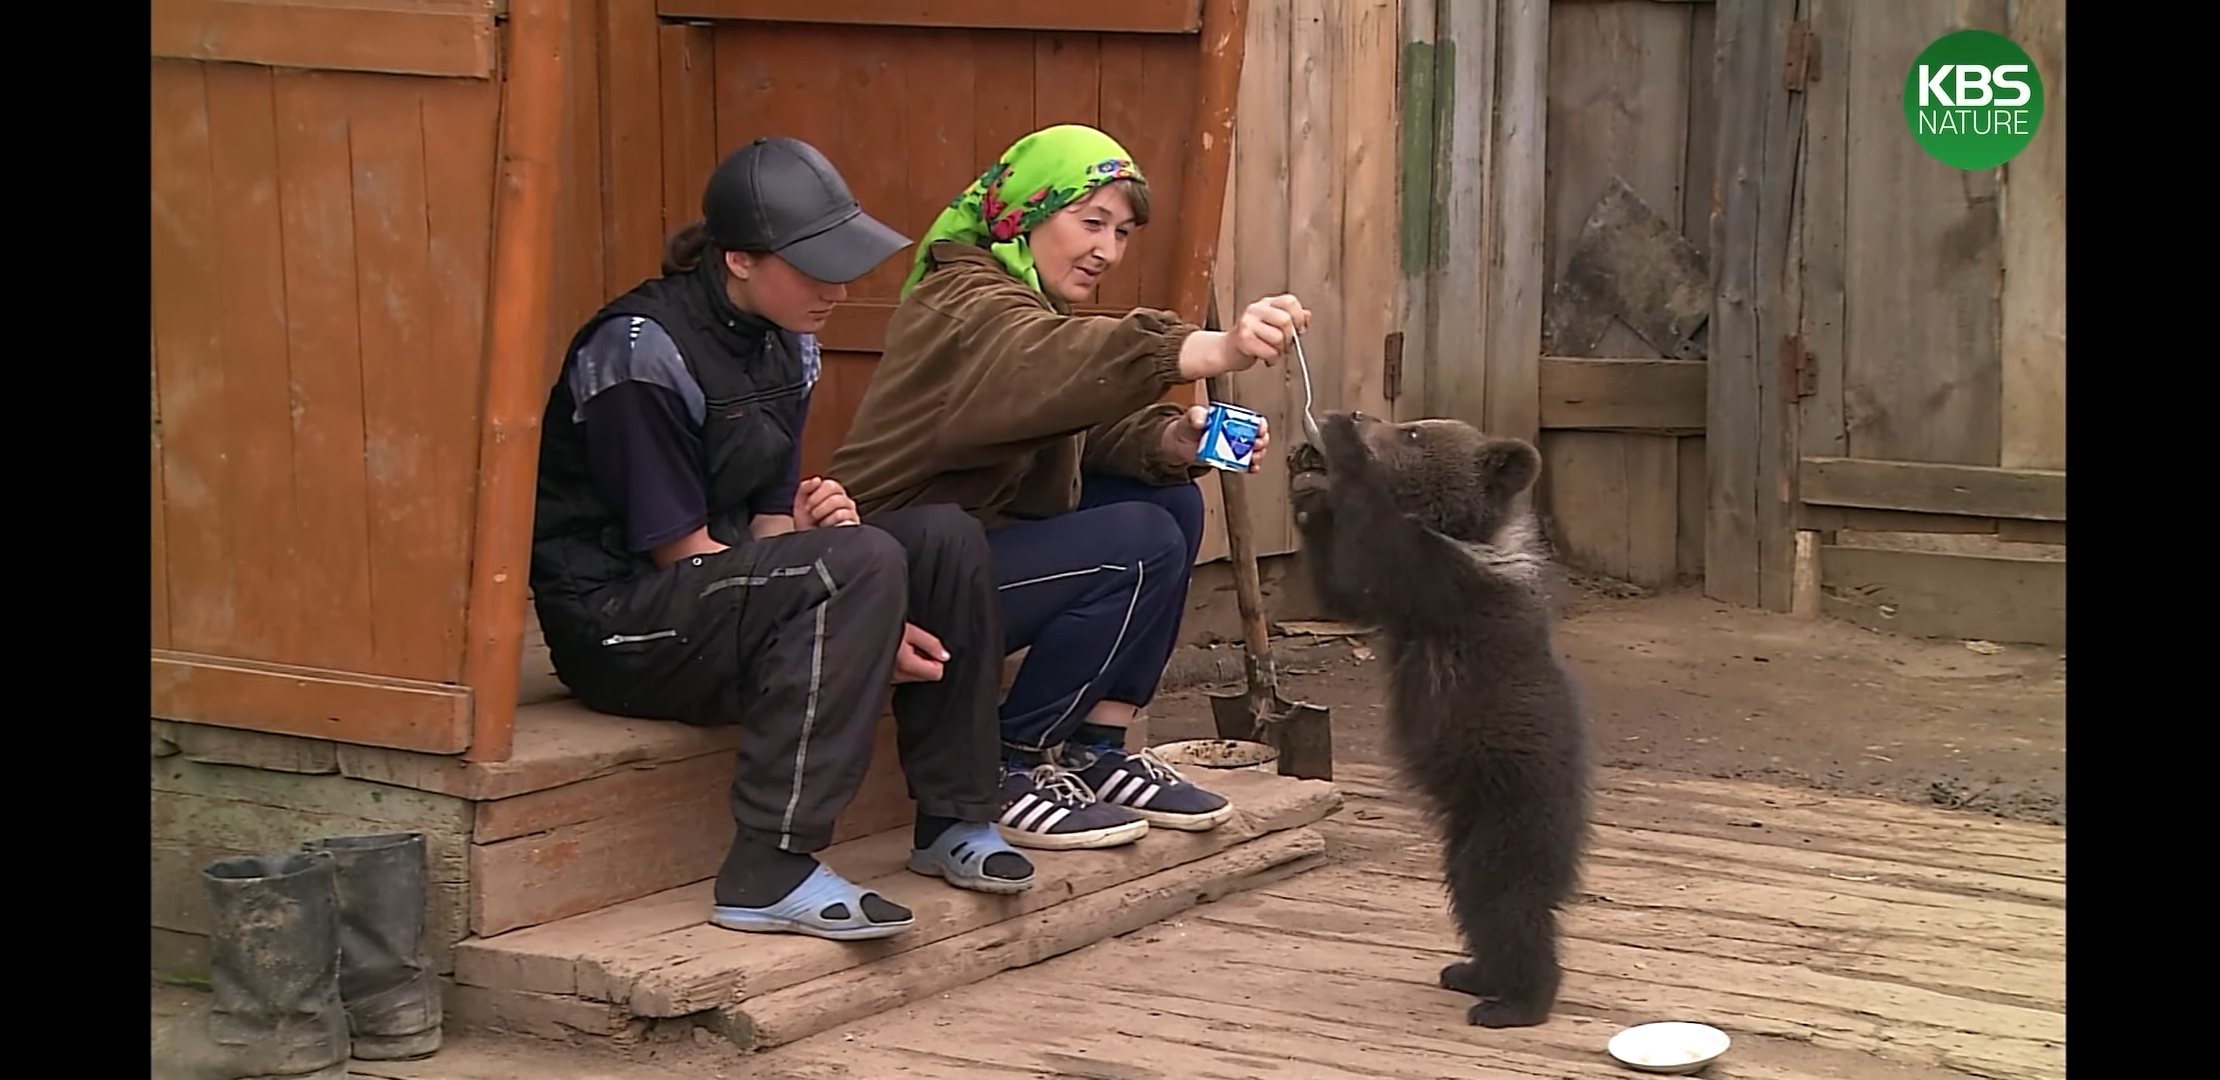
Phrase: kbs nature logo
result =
(1973, 99)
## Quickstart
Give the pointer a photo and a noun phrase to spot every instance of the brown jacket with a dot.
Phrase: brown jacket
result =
(993, 397)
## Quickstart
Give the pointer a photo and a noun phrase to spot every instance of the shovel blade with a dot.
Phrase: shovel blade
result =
(1306, 742)
(1303, 733)
(1236, 718)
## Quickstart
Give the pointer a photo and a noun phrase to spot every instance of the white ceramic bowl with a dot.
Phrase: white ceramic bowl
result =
(1669, 1047)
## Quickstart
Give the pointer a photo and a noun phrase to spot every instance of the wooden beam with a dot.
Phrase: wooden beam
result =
(428, 718)
(1804, 594)
(632, 143)
(1823, 240)
(1832, 519)
(687, 57)
(1665, 396)
(516, 361)
(1252, 263)
(1782, 351)
(1731, 569)
(1420, 112)
(1209, 150)
(1133, 17)
(2033, 301)
(1929, 488)
(1453, 370)
(1201, 219)
(455, 41)
(1418, 87)
(1750, 440)
(1314, 184)
(1518, 275)
(1372, 345)
(1934, 594)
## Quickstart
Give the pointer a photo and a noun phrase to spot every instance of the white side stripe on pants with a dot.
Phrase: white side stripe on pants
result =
(809, 711)
(1140, 576)
(1061, 575)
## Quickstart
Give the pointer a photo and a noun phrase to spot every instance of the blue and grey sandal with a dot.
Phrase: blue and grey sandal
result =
(824, 905)
(961, 854)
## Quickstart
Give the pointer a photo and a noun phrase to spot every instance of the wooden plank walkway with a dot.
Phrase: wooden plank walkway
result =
(1832, 937)
(1835, 938)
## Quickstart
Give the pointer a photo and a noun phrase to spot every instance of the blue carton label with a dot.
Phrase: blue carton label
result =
(1229, 437)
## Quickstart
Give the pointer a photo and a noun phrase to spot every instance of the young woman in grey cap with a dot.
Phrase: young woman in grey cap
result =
(683, 569)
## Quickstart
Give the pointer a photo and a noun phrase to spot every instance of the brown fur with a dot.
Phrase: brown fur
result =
(1418, 528)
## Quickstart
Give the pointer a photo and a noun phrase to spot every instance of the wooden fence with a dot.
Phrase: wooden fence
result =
(1422, 173)
(1688, 248)
(1887, 436)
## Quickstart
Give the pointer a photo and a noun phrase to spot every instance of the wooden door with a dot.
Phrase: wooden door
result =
(321, 233)
(911, 101)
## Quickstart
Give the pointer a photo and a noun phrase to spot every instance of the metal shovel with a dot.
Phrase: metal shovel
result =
(1301, 732)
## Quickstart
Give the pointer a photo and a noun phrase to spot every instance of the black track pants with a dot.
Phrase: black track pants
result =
(793, 638)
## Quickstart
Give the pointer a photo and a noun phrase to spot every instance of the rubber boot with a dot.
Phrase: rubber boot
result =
(385, 974)
(274, 965)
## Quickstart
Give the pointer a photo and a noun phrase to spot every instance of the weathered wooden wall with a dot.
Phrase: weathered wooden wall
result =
(1310, 210)
(1516, 119)
(1767, 322)
(1886, 357)
(910, 115)
(326, 177)
(1888, 392)
(1417, 171)
(322, 192)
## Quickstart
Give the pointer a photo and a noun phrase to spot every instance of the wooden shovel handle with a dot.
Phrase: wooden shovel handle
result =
(1248, 585)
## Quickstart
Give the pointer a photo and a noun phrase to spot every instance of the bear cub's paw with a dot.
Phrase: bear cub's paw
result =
(1307, 486)
(1463, 977)
(1506, 1013)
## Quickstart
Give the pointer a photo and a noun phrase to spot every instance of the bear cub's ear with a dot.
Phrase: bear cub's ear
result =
(1509, 465)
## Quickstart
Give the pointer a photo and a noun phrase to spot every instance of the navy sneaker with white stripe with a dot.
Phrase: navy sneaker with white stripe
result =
(1148, 786)
(1045, 806)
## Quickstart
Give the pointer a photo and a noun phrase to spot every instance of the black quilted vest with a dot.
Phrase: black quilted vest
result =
(751, 378)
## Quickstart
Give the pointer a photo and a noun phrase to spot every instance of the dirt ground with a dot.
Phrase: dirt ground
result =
(1682, 683)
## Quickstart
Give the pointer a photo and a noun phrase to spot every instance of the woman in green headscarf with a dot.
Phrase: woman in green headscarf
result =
(1052, 429)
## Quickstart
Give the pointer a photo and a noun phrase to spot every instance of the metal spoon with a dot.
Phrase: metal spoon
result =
(1310, 423)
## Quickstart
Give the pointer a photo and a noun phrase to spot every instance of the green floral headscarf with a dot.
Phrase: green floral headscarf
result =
(1053, 168)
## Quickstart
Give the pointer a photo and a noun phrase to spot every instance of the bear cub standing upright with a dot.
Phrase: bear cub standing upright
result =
(1412, 528)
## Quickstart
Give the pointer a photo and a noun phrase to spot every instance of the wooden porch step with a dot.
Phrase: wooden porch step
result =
(589, 811)
(657, 957)
(636, 830)
(594, 810)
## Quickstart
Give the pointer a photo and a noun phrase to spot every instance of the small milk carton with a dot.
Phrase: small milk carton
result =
(1229, 437)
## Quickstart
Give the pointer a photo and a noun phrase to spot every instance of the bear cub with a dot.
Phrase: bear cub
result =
(1413, 528)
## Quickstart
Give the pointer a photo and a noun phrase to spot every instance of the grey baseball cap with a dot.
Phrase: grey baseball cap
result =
(781, 196)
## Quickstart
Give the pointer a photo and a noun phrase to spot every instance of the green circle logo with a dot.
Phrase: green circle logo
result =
(1973, 99)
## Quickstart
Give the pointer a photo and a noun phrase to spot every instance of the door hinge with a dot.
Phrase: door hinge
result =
(1391, 365)
(1800, 66)
(1799, 376)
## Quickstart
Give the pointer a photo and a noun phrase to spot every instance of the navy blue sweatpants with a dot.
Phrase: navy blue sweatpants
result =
(1097, 593)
